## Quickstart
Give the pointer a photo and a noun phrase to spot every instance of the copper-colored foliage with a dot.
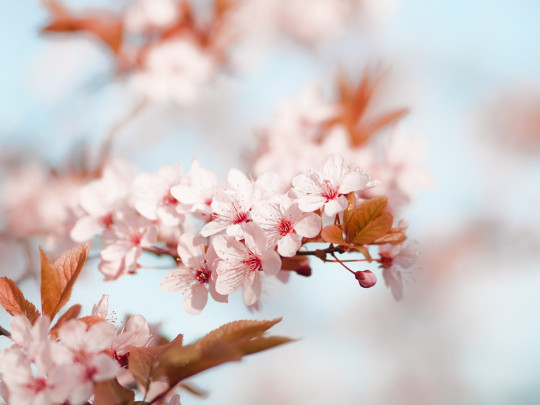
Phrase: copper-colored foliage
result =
(355, 101)
(144, 362)
(230, 342)
(13, 301)
(105, 26)
(368, 224)
(72, 313)
(110, 392)
(58, 278)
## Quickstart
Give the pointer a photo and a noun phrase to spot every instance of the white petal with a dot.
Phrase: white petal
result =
(308, 226)
(335, 206)
(289, 245)
(229, 279)
(195, 299)
(252, 288)
(176, 280)
(271, 263)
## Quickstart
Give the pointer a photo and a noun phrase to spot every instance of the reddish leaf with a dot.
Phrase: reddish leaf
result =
(71, 313)
(333, 234)
(110, 392)
(143, 362)
(374, 229)
(228, 343)
(91, 320)
(106, 27)
(394, 238)
(351, 207)
(366, 212)
(13, 301)
(57, 279)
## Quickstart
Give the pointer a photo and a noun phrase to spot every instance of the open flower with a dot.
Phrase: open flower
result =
(241, 262)
(395, 260)
(326, 189)
(285, 224)
(195, 276)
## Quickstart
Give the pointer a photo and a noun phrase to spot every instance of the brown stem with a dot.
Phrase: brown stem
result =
(341, 262)
(4, 332)
(106, 147)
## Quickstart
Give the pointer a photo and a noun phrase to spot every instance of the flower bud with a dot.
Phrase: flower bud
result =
(366, 278)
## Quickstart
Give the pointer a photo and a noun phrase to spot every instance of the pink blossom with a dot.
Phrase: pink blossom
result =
(285, 224)
(395, 260)
(197, 195)
(101, 309)
(144, 15)
(195, 275)
(152, 195)
(125, 240)
(174, 70)
(231, 206)
(326, 189)
(241, 262)
(100, 198)
(136, 333)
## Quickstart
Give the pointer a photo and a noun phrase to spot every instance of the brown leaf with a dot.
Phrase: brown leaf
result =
(351, 207)
(106, 27)
(333, 234)
(374, 229)
(143, 362)
(230, 342)
(365, 213)
(57, 279)
(394, 238)
(91, 320)
(71, 313)
(13, 301)
(110, 392)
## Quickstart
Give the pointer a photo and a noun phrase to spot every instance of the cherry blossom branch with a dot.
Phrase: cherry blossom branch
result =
(4, 332)
(341, 262)
(155, 250)
(106, 147)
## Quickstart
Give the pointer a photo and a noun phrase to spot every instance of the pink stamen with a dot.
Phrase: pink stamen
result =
(285, 226)
(253, 263)
(202, 274)
(330, 191)
(169, 199)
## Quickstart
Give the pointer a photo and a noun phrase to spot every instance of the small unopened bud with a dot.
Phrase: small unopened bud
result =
(366, 278)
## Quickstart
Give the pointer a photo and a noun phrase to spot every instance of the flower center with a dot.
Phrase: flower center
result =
(284, 226)
(136, 238)
(169, 199)
(253, 263)
(240, 217)
(386, 260)
(202, 274)
(38, 385)
(329, 190)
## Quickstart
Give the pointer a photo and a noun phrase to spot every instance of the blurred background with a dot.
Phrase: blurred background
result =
(467, 330)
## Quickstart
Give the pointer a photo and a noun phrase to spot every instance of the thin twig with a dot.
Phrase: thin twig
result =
(106, 147)
(4, 332)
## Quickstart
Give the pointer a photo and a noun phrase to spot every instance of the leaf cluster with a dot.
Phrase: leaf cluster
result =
(57, 280)
(367, 224)
(175, 362)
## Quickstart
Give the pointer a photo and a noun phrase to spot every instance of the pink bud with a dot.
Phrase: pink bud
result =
(366, 278)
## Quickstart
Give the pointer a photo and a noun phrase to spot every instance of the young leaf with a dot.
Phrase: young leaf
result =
(71, 313)
(13, 301)
(351, 207)
(374, 229)
(394, 238)
(106, 27)
(230, 342)
(366, 212)
(143, 362)
(57, 279)
(110, 392)
(333, 234)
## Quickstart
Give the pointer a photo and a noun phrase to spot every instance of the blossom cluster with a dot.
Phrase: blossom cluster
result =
(40, 370)
(224, 237)
(172, 50)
